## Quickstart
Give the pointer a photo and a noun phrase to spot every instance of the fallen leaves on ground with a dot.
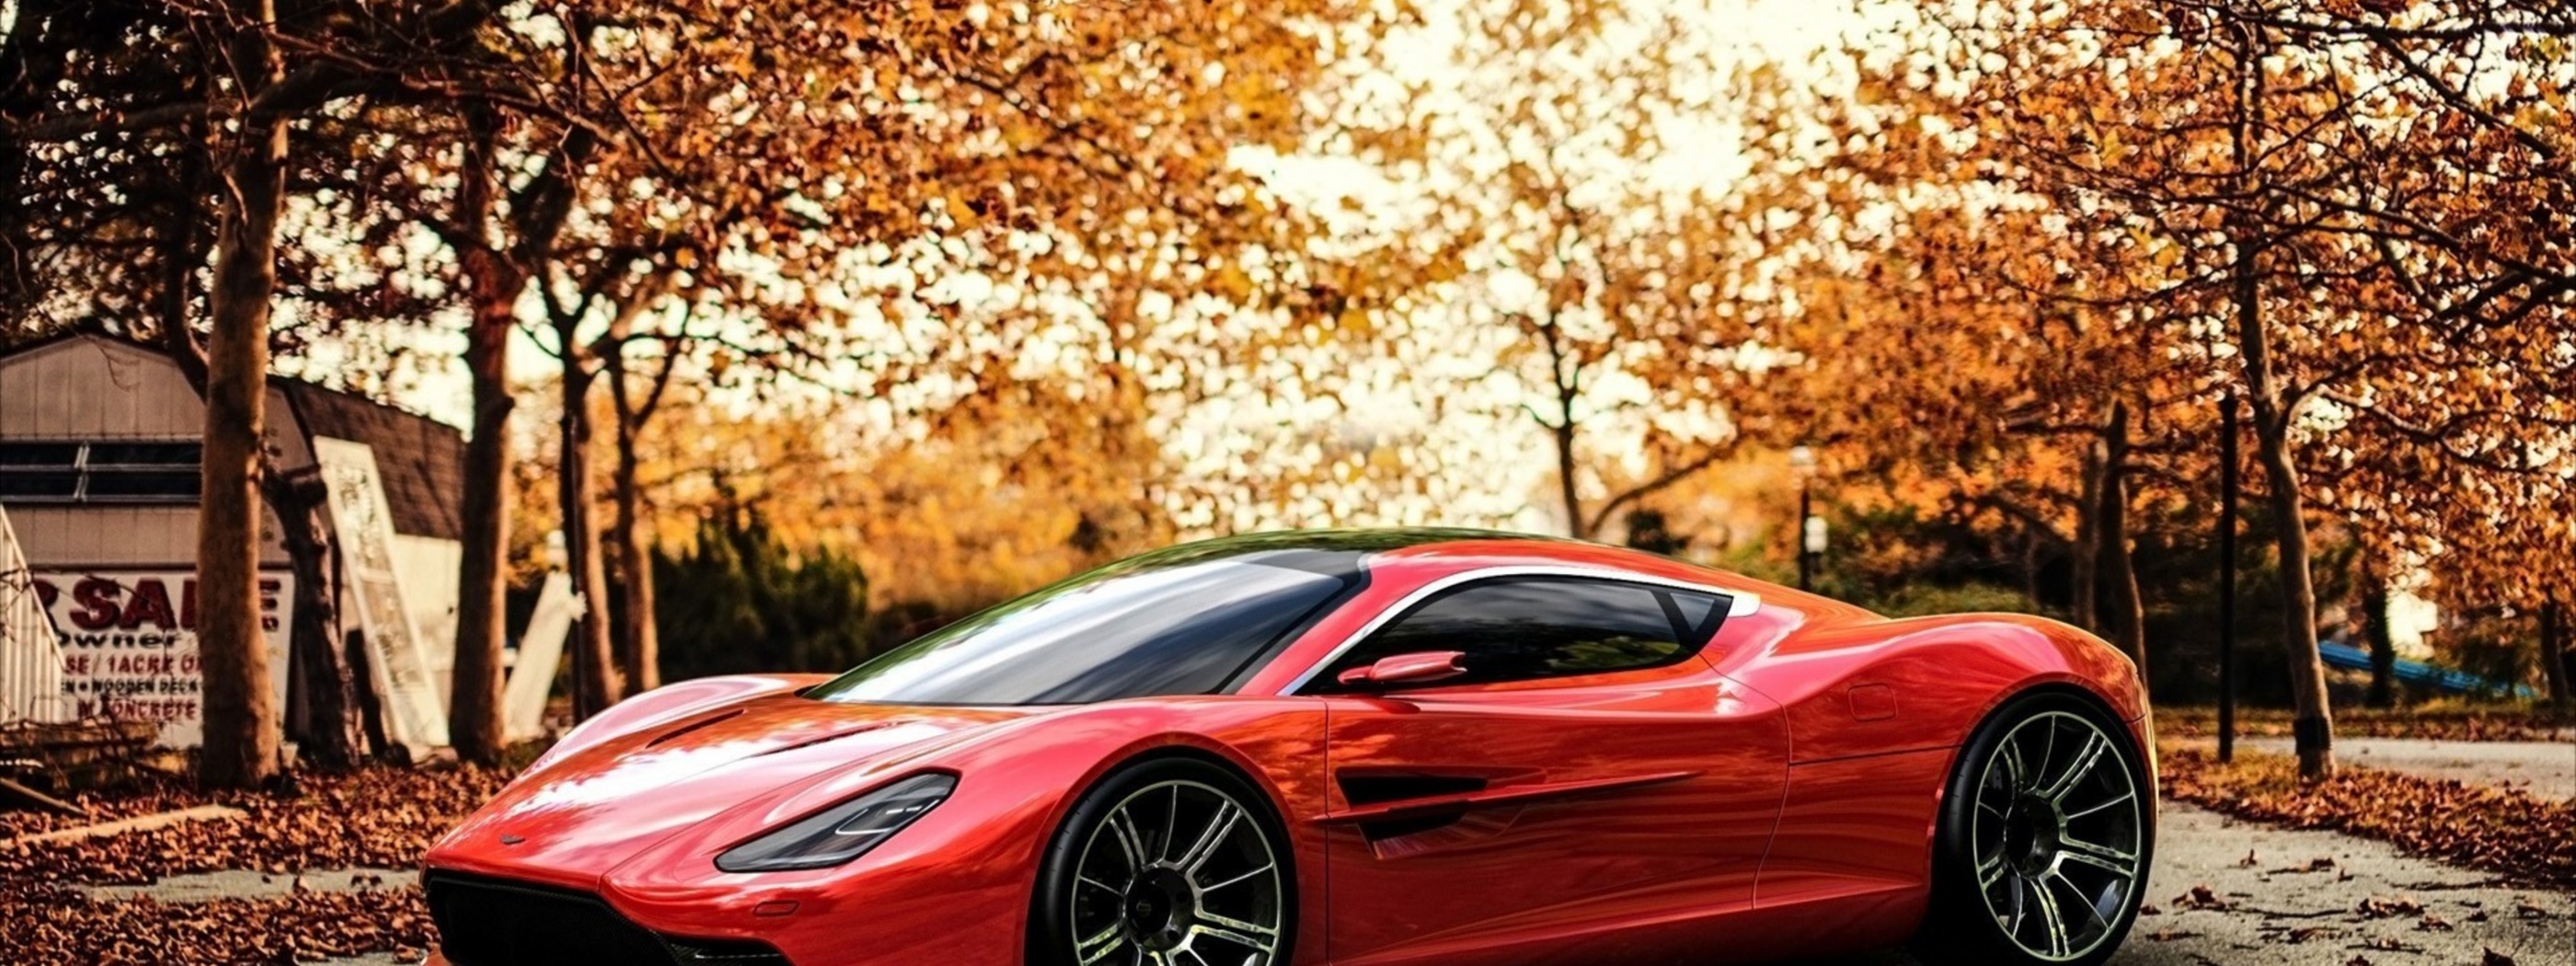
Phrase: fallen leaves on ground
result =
(383, 817)
(2430, 724)
(2377, 907)
(2318, 864)
(57, 925)
(2200, 897)
(2303, 934)
(379, 817)
(2501, 830)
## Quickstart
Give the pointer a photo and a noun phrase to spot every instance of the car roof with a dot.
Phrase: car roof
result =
(1353, 552)
(1344, 554)
(1352, 539)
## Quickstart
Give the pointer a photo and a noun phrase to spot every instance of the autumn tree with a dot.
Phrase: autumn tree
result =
(804, 196)
(2458, 456)
(239, 115)
(1619, 289)
(2221, 173)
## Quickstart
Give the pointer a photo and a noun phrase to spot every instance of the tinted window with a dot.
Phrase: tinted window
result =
(1158, 625)
(1522, 628)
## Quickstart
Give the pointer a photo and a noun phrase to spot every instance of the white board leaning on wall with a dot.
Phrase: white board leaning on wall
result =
(31, 661)
(415, 717)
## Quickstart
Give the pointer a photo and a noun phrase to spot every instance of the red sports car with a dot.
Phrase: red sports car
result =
(1351, 747)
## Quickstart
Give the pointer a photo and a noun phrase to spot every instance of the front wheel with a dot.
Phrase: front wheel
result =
(2045, 839)
(1173, 862)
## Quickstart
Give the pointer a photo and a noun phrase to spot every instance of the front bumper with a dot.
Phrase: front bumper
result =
(910, 903)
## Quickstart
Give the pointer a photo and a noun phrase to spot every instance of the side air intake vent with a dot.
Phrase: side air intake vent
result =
(1381, 789)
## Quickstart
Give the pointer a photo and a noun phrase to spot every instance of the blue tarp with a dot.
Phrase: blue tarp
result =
(2419, 673)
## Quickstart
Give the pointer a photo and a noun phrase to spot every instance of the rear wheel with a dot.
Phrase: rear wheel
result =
(2045, 840)
(1173, 862)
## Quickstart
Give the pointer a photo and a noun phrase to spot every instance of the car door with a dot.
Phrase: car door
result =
(1589, 790)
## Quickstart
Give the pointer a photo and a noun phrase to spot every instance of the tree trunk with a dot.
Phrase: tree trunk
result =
(637, 631)
(1562, 433)
(493, 286)
(241, 718)
(370, 707)
(2312, 722)
(331, 738)
(639, 635)
(2566, 654)
(2086, 583)
(328, 730)
(594, 666)
(2375, 631)
(2557, 666)
(2130, 631)
(1566, 489)
(2030, 567)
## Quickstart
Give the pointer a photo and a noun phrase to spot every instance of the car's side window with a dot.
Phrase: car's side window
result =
(1520, 628)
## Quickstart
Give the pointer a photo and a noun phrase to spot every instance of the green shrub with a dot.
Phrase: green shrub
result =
(740, 601)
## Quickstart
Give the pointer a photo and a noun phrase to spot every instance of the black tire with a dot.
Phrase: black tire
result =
(1096, 904)
(2012, 863)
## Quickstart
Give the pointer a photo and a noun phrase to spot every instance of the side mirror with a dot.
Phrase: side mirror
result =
(1422, 667)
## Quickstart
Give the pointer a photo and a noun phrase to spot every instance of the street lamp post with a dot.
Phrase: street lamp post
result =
(1811, 531)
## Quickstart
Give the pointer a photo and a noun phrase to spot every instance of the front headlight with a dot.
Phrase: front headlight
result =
(842, 832)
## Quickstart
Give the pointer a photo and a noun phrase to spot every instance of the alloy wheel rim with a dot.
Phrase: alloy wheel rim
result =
(2057, 834)
(1178, 873)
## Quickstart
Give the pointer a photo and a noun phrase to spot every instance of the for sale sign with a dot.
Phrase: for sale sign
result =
(129, 643)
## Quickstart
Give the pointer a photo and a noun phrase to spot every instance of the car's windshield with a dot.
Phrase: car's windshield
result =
(1163, 624)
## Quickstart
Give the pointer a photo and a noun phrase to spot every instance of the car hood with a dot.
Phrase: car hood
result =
(573, 820)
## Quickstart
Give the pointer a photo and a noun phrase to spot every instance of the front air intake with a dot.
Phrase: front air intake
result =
(484, 921)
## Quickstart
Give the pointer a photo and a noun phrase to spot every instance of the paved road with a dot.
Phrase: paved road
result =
(2306, 898)
(2546, 769)
(2275, 916)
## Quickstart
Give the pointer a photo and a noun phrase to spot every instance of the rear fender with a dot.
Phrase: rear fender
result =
(1882, 687)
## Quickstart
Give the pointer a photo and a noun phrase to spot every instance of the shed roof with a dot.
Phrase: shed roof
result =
(421, 460)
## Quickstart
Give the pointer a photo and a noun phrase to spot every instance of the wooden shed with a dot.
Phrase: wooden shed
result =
(100, 443)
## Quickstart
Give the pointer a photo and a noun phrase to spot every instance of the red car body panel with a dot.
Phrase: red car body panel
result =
(1774, 796)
